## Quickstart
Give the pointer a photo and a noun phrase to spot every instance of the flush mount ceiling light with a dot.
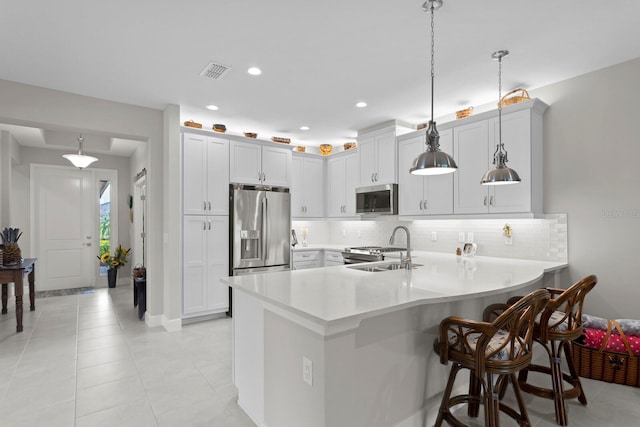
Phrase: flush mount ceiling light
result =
(80, 160)
(212, 107)
(361, 104)
(433, 161)
(304, 128)
(254, 71)
(501, 174)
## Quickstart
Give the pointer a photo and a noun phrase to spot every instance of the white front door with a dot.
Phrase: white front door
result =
(65, 214)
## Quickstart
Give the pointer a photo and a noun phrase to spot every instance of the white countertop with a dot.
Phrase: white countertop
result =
(318, 246)
(332, 299)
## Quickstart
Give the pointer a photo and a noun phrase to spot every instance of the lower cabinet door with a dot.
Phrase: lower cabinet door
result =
(205, 260)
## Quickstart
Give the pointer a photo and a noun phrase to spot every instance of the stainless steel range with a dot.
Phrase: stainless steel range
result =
(367, 253)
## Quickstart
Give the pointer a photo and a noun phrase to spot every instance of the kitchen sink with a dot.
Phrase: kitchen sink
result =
(377, 268)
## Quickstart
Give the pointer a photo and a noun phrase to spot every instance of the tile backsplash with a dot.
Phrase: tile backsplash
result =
(541, 238)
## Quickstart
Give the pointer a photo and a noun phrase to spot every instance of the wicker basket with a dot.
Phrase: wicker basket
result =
(300, 148)
(193, 124)
(464, 113)
(326, 149)
(512, 97)
(608, 366)
(349, 145)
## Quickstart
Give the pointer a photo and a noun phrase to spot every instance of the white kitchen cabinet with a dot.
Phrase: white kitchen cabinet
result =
(332, 258)
(343, 177)
(307, 189)
(474, 146)
(205, 261)
(378, 160)
(423, 195)
(258, 164)
(205, 175)
(304, 259)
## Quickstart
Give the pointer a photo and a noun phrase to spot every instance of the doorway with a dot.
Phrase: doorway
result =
(104, 218)
(66, 226)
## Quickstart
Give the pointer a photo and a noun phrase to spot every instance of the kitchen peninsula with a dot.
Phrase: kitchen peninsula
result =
(338, 346)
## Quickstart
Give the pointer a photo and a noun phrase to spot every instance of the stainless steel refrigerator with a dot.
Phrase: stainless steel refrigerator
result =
(260, 224)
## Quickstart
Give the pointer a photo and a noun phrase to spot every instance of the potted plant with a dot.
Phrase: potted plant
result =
(114, 262)
(12, 253)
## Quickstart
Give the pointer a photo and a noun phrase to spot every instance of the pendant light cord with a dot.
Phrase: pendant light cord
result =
(500, 102)
(432, 55)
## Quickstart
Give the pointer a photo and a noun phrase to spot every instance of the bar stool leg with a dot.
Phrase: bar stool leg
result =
(491, 404)
(474, 390)
(444, 405)
(556, 382)
(575, 378)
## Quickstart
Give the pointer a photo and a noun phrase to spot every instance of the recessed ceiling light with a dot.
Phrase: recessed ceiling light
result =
(304, 128)
(212, 107)
(361, 104)
(254, 71)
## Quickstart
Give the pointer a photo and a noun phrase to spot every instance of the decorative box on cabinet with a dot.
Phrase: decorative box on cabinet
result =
(423, 195)
(307, 186)
(205, 175)
(474, 145)
(258, 164)
(343, 177)
(205, 260)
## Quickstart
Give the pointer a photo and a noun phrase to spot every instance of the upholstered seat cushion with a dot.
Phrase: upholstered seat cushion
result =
(497, 343)
(556, 322)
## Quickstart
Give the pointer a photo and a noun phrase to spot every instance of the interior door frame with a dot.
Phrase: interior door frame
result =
(97, 175)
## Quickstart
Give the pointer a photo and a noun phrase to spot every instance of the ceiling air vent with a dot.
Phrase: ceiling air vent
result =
(214, 71)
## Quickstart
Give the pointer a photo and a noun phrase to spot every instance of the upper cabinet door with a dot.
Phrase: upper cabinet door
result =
(411, 196)
(336, 186)
(471, 154)
(313, 178)
(276, 166)
(386, 158)
(438, 189)
(368, 166)
(516, 137)
(194, 172)
(217, 176)
(245, 162)
(351, 182)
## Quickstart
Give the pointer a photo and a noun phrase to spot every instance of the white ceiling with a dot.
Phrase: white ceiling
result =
(318, 57)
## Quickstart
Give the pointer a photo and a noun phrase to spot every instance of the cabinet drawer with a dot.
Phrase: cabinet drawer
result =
(306, 256)
(303, 265)
(333, 256)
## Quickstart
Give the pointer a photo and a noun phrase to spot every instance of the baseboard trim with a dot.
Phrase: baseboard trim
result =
(171, 325)
(153, 320)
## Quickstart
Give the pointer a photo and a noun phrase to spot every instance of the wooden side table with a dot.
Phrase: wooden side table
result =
(13, 274)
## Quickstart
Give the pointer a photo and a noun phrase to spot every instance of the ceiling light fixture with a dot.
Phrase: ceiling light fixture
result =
(304, 128)
(501, 174)
(361, 104)
(212, 107)
(254, 71)
(80, 160)
(433, 161)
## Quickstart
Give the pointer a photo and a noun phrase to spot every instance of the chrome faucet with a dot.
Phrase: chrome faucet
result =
(404, 261)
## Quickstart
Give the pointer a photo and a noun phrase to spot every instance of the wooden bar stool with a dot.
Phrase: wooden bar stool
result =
(493, 353)
(557, 326)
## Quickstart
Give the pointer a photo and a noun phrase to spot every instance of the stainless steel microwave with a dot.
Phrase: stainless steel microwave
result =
(377, 200)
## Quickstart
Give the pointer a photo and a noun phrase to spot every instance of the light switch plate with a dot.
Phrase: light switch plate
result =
(307, 371)
(461, 237)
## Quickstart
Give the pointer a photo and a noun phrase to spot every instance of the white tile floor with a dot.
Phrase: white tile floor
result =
(86, 360)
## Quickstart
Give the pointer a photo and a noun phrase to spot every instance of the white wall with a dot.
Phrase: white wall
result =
(591, 155)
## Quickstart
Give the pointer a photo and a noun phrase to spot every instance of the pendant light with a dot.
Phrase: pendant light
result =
(80, 160)
(433, 161)
(501, 174)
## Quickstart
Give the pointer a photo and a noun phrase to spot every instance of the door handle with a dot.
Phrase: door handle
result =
(209, 205)
(204, 225)
(204, 205)
(491, 201)
(209, 221)
(484, 203)
(420, 204)
(425, 205)
(87, 244)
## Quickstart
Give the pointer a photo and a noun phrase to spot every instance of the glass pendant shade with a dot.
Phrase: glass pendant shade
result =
(433, 161)
(501, 174)
(80, 160)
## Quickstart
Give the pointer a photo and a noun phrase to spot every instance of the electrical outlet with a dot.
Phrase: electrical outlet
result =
(461, 237)
(434, 236)
(470, 237)
(307, 371)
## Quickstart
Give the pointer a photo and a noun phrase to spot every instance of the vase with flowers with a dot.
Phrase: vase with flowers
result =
(113, 262)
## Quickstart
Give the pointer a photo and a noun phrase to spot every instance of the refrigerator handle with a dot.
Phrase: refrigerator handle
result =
(265, 237)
